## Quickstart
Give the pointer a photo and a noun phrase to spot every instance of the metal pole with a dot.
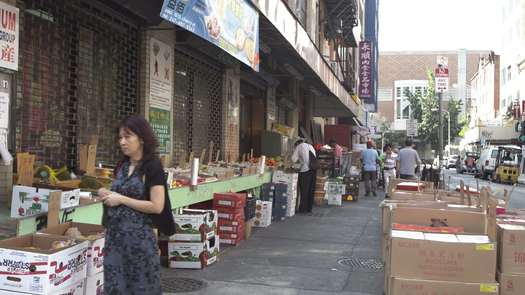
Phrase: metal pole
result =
(448, 116)
(440, 131)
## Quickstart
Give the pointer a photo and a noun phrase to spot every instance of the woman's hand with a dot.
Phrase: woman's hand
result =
(113, 199)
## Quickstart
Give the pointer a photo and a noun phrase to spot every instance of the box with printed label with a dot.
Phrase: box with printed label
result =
(511, 239)
(511, 283)
(442, 257)
(229, 200)
(232, 236)
(195, 255)
(263, 214)
(401, 286)
(279, 211)
(288, 178)
(231, 214)
(95, 284)
(213, 217)
(92, 233)
(30, 264)
(336, 200)
(230, 226)
(30, 201)
(193, 225)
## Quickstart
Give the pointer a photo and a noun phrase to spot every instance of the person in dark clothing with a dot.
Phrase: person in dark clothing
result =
(137, 201)
(302, 154)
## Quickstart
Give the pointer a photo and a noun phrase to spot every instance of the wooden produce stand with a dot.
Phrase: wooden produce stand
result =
(91, 212)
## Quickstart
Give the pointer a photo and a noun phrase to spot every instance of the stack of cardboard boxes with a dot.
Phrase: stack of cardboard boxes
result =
(441, 247)
(319, 193)
(48, 263)
(195, 243)
(230, 208)
(511, 254)
(290, 179)
(352, 187)
(277, 193)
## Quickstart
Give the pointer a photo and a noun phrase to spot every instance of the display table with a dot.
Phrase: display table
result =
(180, 197)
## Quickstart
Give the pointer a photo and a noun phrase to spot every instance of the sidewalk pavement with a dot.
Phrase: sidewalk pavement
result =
(301, 256)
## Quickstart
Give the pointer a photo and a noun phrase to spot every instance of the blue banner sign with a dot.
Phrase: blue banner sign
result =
(233, 25)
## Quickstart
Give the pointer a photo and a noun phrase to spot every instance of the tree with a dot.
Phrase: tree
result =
(423, 106)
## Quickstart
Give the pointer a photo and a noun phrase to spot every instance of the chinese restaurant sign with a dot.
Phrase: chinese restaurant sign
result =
(9, 24)
(159, 120)
(365, 69)
(232, 25)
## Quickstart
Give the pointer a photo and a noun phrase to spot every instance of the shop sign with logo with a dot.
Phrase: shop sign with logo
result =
(9, 26)
(232, 25)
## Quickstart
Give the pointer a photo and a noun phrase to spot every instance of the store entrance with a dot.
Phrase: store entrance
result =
(251, 124)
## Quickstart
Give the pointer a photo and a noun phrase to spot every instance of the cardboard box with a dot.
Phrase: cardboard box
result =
(472, 222)
(442, 257)
(213, 217)
(193, 225)
(196, 255)
(336, 200)
(230, 226)
(401, 286)
(41, 271)
(511, 283)
(282, 177)
(511, 238)
(77, 288)
(95, 254)
(263, 214)
(231, 214)
(94, 284)
(30, 201)
(248, 229)
(279, 211)
(335, 188)
(229, 200)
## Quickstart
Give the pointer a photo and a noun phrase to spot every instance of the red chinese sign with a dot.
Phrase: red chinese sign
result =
(365, 69)
(9, 28)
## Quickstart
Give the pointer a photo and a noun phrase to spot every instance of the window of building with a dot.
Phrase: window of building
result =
(406, 91)
(509, 73)
(398, 109)
(504, 76)
(398, 91)
(418, 90)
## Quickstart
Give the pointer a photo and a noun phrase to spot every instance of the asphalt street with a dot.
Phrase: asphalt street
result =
(517, 198)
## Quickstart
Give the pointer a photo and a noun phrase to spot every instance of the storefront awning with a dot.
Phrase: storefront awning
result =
(285, 35)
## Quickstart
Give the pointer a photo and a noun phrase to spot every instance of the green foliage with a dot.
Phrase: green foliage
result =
(423, 104)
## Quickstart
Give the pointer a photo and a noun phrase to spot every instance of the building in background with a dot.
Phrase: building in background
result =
(512, 79)
(407, 70)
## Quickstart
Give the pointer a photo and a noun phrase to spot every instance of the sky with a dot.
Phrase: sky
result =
(439, 25)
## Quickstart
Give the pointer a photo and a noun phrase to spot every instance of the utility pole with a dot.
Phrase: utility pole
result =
(440, 130)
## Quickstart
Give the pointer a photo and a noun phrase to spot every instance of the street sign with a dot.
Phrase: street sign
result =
(441, 74)
(411, 127)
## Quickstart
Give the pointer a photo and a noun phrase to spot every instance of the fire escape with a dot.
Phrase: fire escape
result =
(340, 17)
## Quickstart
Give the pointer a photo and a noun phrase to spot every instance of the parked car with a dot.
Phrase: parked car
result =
(451, 162)
(467, 163)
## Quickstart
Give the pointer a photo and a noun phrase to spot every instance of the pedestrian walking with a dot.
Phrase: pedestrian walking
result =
(370, 160)
(389, 166)
(408, 161)
(304, 153)
(137, 202)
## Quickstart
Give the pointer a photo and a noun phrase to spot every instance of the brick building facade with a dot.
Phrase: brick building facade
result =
(413, 66)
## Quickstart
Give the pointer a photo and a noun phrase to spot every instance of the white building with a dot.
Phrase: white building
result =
(485, 92)
(512, 79)
(402, 109)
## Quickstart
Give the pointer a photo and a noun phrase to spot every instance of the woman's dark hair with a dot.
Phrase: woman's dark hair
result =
(386, 147)
(138, 125)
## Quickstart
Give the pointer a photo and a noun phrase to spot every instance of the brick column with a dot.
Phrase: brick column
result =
(231, 89)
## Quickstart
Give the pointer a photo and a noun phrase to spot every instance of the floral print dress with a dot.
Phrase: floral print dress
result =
(131, 263)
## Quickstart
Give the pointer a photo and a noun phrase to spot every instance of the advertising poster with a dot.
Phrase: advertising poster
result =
(159, 120)
(232, 25)
(161, 75)
(9, 36)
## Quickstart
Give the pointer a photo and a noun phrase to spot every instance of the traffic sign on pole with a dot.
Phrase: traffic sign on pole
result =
(412, 127)
(441, 74)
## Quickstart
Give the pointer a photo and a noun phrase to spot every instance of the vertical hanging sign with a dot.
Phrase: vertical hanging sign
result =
(161, 92)
(9, 26)
(365, 69)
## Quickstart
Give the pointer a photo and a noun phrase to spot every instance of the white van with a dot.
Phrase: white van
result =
(486, 164)
(487, 161)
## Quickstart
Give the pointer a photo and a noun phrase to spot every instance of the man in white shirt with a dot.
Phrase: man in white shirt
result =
(306, 180)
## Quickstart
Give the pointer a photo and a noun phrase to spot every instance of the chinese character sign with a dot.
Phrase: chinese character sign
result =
(159, 120)
(9, 26)
(365, 69)
(232, 25)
